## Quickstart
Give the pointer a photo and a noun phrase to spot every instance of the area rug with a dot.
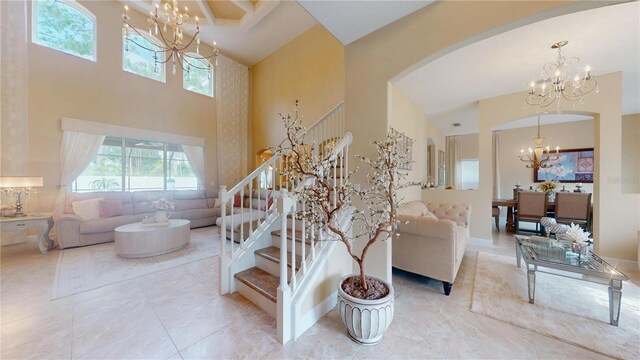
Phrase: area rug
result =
(573, 311)
(95, 266)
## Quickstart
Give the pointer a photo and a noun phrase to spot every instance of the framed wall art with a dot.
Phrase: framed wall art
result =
(573, 166)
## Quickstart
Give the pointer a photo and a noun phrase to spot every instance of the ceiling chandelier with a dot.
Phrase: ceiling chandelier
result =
(561, 79)
(539, 157)
(170, 28)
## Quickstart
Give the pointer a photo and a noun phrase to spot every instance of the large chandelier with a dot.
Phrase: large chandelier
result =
(171, 28)
(561, 79)
(538, 156)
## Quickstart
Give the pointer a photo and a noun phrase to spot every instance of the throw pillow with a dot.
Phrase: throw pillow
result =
(429, 214)
(237, 200)
(111, 208)
(87, 209)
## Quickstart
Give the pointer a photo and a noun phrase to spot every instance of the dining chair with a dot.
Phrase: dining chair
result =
(532, 206)
(573, 208)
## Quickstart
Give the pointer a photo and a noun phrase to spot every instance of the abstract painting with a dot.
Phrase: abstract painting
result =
(573, 166)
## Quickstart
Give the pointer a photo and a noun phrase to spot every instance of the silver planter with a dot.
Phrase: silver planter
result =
(366, 320)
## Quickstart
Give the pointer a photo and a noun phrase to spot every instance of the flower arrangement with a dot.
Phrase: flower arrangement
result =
(163, 204)
(547, 186)
(577, 235)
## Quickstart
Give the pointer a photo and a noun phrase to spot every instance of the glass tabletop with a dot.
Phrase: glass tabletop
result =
(542, 251)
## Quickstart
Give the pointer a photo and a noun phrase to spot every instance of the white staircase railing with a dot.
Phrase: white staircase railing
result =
(240, 222)
(315, 238)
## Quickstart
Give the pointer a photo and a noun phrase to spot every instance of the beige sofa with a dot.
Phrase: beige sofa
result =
(432, 246)
(201, 207)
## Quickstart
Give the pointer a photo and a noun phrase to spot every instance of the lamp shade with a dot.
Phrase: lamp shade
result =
(21, 181)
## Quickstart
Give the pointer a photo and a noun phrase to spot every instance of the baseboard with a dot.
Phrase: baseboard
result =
(19, 240)
(480, 242)
(312, 316)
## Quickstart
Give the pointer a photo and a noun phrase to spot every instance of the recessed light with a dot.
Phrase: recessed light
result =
(456, 124)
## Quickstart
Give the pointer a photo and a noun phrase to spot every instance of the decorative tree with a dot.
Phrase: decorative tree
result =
(310, 166)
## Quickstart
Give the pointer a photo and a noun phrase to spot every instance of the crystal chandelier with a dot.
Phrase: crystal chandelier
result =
(539, 157)
(561, 80)
(170, 28)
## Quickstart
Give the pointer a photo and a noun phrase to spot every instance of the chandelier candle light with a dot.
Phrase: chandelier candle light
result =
(557, 81)
(171, 33)
(539, 157)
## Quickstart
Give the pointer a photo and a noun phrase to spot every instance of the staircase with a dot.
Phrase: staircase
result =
(274, 261)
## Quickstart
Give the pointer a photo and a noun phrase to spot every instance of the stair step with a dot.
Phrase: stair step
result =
(260, 281)
(278, 234)
(272, 253)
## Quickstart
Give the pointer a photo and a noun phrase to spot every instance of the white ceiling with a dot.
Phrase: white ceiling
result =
(447, 90)
(348, 21)
(245, 30)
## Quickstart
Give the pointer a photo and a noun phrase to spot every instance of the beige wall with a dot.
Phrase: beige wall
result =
(631, 154)
(570, 135)
(309, 69)
(395, 50)
(615, 213)
(62, 85)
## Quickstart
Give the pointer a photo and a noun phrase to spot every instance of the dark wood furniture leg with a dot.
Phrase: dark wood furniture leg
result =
(447, 287)
(510, 225)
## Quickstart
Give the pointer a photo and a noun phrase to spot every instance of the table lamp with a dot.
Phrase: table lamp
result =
(20, 185)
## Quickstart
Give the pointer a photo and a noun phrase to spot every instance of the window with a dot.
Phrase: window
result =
(65, 26)
(135, 165)
(198, 75)
(142, 56)
(469, 174)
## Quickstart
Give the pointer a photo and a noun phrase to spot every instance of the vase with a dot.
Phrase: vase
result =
(366, 320)
(551, 196)
(580, 249)
(162, 216)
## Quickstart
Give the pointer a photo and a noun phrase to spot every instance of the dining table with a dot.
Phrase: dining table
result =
(512, 204)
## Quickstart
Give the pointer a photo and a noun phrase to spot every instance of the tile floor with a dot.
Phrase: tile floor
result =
(178, 314)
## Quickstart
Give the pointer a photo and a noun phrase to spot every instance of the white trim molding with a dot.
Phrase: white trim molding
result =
(98, 128)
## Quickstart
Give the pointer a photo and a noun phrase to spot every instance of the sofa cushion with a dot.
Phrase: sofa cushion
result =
(460, 213)
(142, 200)
(191, 204)
(87, 209)
(188, 194)
(197, 214)
(111, 208)
(107, 224)
(211, 193)
(123, 196)
(416, 208)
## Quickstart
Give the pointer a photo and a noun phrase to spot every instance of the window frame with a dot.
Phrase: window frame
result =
(212, 72)
(155, 41)
(76, 5)
(166, 147)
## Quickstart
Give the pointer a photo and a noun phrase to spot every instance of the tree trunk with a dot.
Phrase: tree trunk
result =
(363, 278)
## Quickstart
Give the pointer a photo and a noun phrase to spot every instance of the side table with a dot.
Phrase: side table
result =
(43, 222)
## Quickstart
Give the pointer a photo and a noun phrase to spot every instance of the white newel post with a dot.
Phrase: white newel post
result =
(225, 260)
(284, 291)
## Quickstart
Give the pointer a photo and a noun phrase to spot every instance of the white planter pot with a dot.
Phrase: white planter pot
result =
(366, 320)
(162, 216)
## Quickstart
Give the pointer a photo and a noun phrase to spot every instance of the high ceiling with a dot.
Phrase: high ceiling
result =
(245, 30)
(447, 90)
(350, 20)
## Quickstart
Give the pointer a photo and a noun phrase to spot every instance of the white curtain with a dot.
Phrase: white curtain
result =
(76, 152)
(453, 161)
(195, 155)
(232, 115)
(496, 165)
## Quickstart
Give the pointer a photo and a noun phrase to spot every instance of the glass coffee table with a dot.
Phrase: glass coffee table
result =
(538, 252)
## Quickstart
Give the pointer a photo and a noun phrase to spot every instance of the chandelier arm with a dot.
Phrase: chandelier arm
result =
(188, 44)
(192, 65)
(167, 59)
(142, 46)
(162, 34)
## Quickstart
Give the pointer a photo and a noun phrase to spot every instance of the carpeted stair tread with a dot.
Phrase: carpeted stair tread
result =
(260, 281)
(272, 253)
(277, 234)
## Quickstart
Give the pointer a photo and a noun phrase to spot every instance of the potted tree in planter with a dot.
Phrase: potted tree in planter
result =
(365, 302)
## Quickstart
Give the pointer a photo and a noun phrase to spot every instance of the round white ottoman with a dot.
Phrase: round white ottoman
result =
(142, 240)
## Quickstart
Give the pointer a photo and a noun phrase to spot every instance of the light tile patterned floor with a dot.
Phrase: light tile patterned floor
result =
(178, 314)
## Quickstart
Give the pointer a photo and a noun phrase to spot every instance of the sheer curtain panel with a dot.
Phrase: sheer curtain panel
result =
(76, 152)
(195, 155)
(496, 165)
